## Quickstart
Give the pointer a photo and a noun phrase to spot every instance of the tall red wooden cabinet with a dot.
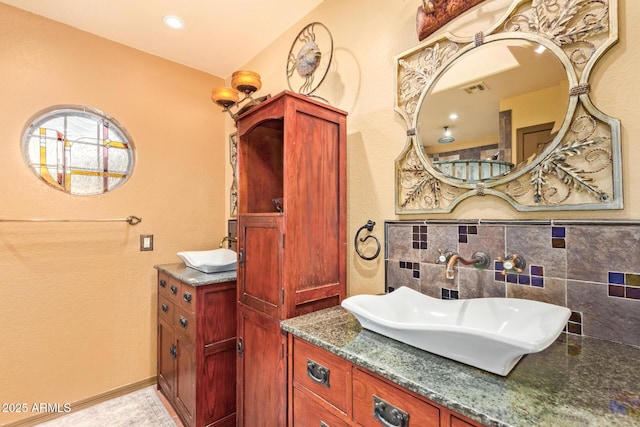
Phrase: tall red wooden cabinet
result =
(291, 238)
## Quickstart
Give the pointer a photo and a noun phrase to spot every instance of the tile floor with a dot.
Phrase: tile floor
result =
(170, 410)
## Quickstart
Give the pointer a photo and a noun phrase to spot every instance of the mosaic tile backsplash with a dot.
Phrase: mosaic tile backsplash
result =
(593, 268)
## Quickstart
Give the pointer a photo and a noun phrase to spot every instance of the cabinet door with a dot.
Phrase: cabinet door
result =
(262, 370)
(259, 272)
(186, 378)
(166, 358)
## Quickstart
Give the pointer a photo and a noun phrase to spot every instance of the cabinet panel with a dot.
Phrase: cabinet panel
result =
(185, 396)
(218, 376)
(166, 358)
(315, 209)
(259, 275)
(459, 422)
(196, 351)
(188, 298)
(166, 309)
(262, 367)
(306, 412)
(217, 320)
(321, 372)
(367, 390)
(185, 324)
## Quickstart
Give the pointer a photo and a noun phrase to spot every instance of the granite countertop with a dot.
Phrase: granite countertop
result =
(577, 381)
(194, 277)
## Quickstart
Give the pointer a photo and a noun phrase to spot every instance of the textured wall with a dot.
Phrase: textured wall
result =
(367, 35)
(78, 300)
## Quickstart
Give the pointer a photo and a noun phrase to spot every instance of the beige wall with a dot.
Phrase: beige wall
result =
(367, 35)
(78, 299)
(526, 110)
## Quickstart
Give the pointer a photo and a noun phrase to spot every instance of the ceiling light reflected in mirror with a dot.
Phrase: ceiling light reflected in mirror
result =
(173, 21)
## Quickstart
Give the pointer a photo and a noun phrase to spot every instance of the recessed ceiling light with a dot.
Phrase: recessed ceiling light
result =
(453, 116)
(173, 21)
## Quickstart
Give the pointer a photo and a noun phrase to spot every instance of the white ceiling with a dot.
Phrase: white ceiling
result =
(219, 35)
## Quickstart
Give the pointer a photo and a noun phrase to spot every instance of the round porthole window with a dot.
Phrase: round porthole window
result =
(78, 150)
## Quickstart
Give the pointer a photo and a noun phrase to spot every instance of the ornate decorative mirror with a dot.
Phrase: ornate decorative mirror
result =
(507, 113)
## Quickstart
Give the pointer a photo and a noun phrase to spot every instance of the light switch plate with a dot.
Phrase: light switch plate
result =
(146, 242)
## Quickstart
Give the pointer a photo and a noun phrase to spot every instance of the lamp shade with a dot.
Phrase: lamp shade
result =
(246, 81)
(224, 96)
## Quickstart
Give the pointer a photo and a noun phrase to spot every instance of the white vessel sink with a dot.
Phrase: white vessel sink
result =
(212, 261)
(489, 333)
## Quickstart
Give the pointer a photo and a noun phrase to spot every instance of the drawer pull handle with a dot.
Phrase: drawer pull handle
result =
(183, 322)
(318, 373)
(187, 297)
(323, 424)
(165, 307)
(163, 283)
(389, 415)
(173, 289)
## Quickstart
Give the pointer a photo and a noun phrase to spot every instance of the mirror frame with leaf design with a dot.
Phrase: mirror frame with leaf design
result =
(580, 169)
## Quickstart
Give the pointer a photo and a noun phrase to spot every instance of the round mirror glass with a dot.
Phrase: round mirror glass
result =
(496, 108)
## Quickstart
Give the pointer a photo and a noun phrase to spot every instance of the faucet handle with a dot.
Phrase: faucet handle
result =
(514, 263)
(443, 258)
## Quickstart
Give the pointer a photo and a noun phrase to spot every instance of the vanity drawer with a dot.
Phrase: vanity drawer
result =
(307, 412)
(166, 309)
(169, 287)
(374, 399)
(185, 323)
(187, 297)
(163, 284)
(321, 372)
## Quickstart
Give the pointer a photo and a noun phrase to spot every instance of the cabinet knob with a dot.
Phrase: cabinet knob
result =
(183, 322)
(173, 351)
(163, 283)
(187, 297)
(174, 289)
(165, 307)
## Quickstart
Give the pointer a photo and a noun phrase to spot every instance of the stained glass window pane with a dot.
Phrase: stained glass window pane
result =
(78, 150)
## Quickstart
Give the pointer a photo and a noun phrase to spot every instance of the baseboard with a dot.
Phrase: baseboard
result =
(84, 403)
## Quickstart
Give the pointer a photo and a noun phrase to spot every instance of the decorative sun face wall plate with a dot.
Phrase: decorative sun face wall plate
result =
(500, 82)
(309, 59)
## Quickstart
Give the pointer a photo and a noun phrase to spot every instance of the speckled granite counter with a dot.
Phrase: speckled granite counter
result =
(577, 381)
(194, 277)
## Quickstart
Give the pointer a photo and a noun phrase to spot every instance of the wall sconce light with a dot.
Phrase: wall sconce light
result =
(245, 82)
(447, 136)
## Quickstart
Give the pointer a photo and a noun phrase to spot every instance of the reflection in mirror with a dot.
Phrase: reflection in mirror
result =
(485, 101)
(525, 129)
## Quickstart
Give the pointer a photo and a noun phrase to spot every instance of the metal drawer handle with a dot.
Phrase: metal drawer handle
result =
(318, 373)
(323, 424)
(187, 297)
(173, 289)
(165, 307)
(163, 283)
(389, 415)
(183, 322)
